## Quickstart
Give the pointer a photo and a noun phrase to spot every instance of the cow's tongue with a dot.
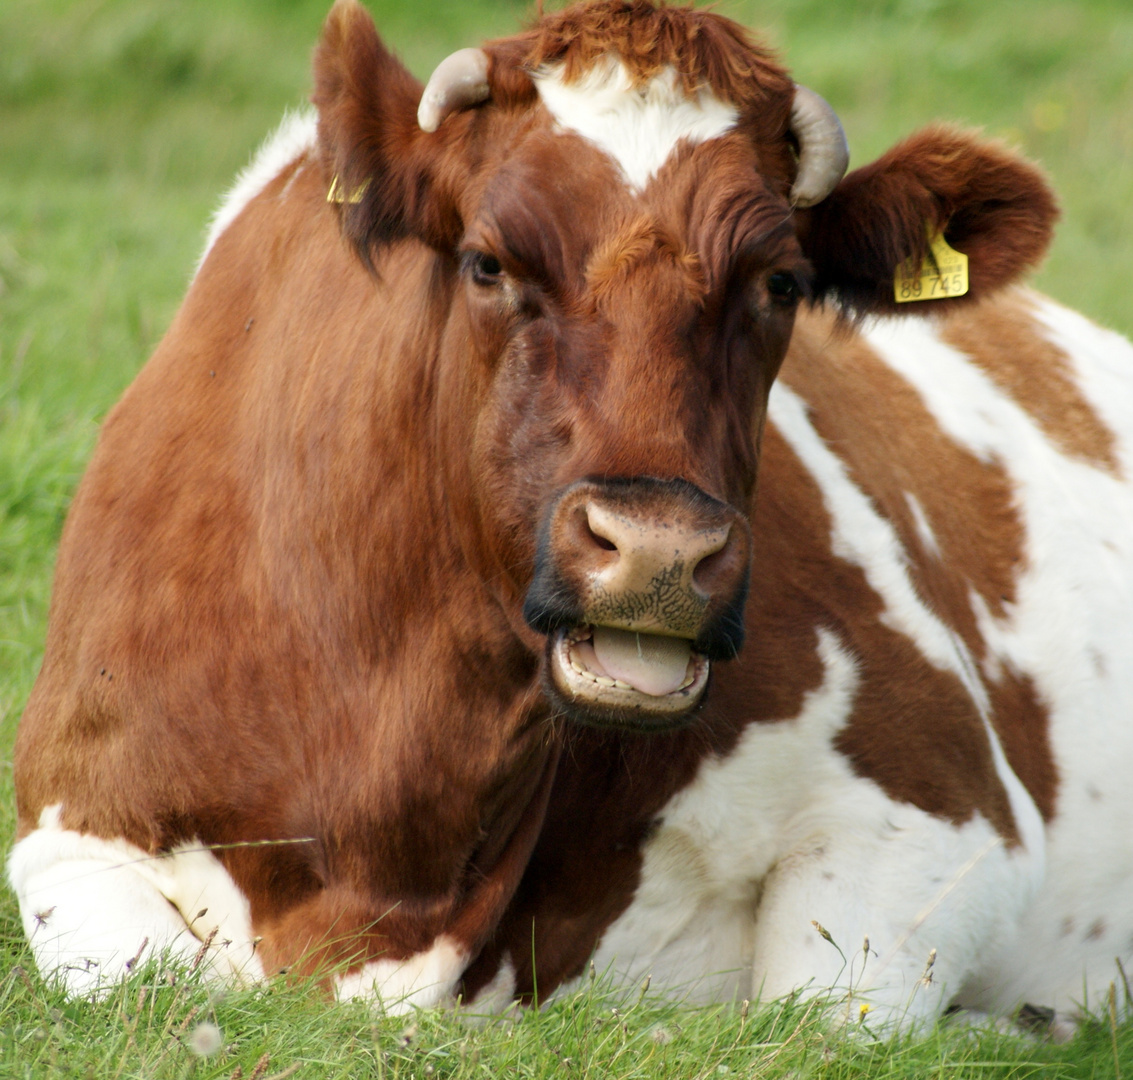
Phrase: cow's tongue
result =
(652, 664)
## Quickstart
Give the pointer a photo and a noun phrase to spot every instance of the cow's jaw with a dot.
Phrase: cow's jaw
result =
(619, 678)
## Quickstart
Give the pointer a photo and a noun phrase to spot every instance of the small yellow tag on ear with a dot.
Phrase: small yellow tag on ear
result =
(337, 195)
(944, 273)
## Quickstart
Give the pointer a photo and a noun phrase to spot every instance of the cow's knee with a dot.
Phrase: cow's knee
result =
(93, 909)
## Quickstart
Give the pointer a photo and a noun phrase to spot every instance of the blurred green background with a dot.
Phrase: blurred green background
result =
(121, 121)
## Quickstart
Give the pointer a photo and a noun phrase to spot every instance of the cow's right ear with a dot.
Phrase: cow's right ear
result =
(390, 178)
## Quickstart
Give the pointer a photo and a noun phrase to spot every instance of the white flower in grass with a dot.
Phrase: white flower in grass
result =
(205, 1039)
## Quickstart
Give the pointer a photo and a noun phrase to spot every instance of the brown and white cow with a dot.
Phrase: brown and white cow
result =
(414, 622)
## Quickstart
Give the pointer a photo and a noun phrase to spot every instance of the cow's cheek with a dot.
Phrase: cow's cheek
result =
(464, 408)
(498, 453)
(754, 366)
(521, 439)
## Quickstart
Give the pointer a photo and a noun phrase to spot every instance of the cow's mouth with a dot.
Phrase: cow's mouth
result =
(621, 678)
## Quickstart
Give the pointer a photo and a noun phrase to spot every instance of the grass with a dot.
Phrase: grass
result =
(162, 1024)
(121, 121)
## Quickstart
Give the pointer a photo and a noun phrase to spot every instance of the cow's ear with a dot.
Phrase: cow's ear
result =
(389, 178)
(991, 205)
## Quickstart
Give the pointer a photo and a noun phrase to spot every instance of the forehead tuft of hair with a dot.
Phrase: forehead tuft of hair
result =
(642, 241)
(705, 49)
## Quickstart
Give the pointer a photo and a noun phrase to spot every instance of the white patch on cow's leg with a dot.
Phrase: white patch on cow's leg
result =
(691, 923)
(913, 885)
(639, 127)
(87, 913)
(782, 832)
(497, 996)
(422, 981)
(91, 906)
(294, 136)
(192, 879)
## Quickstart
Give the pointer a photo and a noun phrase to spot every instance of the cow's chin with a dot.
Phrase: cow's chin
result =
(611, 678)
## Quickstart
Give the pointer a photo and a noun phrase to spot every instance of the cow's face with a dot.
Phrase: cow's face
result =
(626, 339)
(626, 253)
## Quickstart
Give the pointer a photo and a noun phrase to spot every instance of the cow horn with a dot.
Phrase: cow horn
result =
(823, 153)
(459, 81)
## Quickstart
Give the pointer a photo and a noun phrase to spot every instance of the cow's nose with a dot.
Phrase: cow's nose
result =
(643, 555)
(634, 555)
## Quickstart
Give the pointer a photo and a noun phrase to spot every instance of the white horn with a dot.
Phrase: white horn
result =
(459, 81)
(823, 153)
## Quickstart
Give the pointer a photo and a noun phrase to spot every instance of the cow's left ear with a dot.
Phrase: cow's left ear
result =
(991, 205)
(390, 178)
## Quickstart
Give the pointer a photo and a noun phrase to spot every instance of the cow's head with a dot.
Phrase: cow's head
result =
(627, 205)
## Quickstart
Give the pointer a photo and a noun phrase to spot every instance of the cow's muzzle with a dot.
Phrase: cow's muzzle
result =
(639, 585)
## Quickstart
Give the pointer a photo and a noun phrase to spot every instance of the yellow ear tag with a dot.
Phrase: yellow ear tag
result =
(944, 273)
(337, 195)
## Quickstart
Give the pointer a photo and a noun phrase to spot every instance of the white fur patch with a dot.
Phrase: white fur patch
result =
(399, 986)
(921, 524)
(639, 127)
(91, 907)
(294, 137)
(1069, 631)
(782, 832)
(862, 536)
(692, 921)
(498, 995)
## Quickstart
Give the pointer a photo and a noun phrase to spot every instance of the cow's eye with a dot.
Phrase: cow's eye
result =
(484, 268)
(783, 288)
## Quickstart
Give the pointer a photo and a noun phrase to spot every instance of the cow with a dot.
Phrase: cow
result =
(418, 625)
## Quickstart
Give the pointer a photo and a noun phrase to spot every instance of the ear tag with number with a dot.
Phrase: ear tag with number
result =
(337, 195)
(943, 273)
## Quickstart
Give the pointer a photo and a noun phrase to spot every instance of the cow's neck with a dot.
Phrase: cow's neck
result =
(440, 733)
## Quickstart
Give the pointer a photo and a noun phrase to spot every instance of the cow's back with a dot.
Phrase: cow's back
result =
(998, 444)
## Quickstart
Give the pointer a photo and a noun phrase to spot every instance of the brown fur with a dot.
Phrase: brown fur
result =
(892, 446)
(642, 240)
(704, 49)
(1004, 341)
(288, 603)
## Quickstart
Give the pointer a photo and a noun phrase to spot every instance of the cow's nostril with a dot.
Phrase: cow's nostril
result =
(715, 569)
(596, 532)
(600, 540)
(707, 570)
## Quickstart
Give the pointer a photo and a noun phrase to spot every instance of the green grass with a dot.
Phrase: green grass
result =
(164, 1025)
(121, 121)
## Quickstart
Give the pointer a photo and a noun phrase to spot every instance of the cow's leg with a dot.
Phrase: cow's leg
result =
(92, 907)
(906, 907)
(399, 986)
